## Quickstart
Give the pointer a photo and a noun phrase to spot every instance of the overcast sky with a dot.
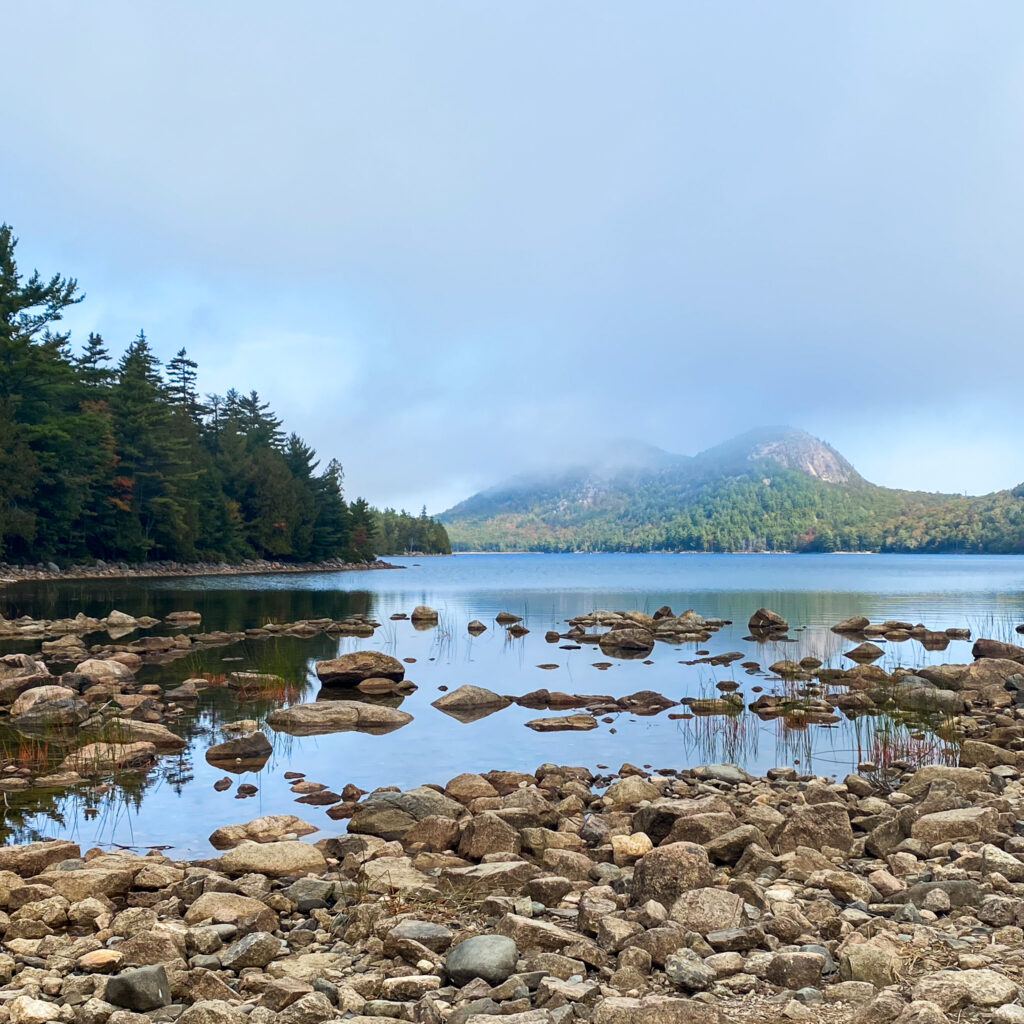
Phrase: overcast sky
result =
(447, 240)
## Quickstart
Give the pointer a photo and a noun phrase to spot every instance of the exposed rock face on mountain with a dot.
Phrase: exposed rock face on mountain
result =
(767, 490)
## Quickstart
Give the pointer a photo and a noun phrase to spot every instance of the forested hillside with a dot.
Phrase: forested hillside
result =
(771, 490)
(124, 459)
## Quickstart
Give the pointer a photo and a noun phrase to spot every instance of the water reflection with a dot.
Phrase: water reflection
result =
(175, 803)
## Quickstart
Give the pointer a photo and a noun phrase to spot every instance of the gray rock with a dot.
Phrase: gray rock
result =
(256, 949)
(686, 970)
(146, 988)
(490, 957)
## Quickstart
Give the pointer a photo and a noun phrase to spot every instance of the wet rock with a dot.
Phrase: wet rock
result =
(617, 642)
(352, 668)
(563, 723)
(470, 703)
(854, 624)
(321, 717)
(423, 613)
(866, 651)
(997, 649)
(100, 758)
(246, 753)
(265, 829)
(766, 619)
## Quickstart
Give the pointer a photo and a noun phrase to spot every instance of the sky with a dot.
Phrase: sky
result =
(451, 240)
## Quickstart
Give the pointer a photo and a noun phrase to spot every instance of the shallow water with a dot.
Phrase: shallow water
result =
(176, 804)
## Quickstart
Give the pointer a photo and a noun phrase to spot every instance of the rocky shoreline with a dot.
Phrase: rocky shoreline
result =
(145, 570)
(693, 897)
(679, 896)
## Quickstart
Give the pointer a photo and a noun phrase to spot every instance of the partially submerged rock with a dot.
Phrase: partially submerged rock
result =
(326, 716)
(350, 669)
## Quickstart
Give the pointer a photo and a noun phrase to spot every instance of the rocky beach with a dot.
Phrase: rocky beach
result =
(651, 895)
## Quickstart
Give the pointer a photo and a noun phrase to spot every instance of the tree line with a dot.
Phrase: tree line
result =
(786, 511)
(125, 460)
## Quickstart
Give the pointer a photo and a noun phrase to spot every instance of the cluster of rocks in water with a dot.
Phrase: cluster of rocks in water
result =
(64, 640)
(693, 897)
(124, 570)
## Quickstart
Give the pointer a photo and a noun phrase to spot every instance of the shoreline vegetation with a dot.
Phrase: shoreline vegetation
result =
(10, 574)
(125, 460)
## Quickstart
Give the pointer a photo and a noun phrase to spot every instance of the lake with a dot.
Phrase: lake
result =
(176, 805)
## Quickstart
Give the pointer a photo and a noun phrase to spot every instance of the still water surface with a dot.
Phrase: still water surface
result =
(176, 804)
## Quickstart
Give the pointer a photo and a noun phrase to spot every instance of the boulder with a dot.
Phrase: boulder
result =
(423, 613)
(765, 619)
(667, 872)
(953, 990)
(854, 624)
(104, 671)
(489, 957)
(45, 707)
(391, 815)
(563, 723)
(231, 908)
(470, 703)
(707, 909)
(245, 753)
(327, 716)
(864, 652)
(966, 824)
(99, 758)
(352, 668)
(997, 649)
(628, 641)
(256, 949)
(129, 730)
(287, 857)
(266, 829)
(28, 859)
(140, 990)
(816, 825)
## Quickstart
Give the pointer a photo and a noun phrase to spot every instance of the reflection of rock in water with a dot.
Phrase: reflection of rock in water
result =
(470, 703)
(385, 700)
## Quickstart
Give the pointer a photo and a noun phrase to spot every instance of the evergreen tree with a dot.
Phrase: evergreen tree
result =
(119, 463)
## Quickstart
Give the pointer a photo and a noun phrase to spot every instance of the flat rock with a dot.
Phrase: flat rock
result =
(350, 669)
(288, 857)
(327, 716)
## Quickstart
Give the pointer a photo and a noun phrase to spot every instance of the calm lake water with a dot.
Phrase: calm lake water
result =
(176, 805)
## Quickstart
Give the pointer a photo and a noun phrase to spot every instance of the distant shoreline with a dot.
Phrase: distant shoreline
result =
(11, 574)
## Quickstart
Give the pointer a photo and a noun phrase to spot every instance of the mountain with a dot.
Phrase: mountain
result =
(771, 489)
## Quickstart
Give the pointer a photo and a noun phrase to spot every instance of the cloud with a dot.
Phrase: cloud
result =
(445, 240)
